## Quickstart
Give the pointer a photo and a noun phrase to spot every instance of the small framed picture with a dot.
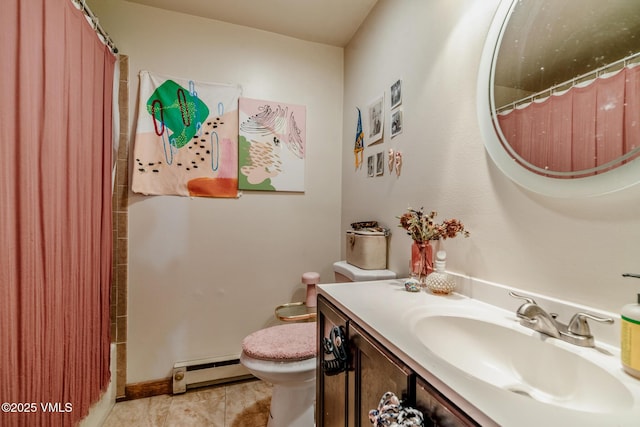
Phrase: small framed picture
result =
(375, 120)
(396, 93)
(380, 163)
(396, 122)
(371, 166)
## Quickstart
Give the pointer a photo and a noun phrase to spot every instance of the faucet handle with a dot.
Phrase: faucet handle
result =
(522, 297)
(579, 326)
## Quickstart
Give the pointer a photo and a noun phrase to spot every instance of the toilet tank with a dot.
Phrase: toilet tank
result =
(345, 272)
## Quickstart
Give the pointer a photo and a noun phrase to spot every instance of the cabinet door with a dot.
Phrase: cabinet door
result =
(437, 410)
(331, 390)
(373, 372)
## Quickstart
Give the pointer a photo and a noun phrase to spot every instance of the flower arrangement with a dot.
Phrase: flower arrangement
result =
(422, 227)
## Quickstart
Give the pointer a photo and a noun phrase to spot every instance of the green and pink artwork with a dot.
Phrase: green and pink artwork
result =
(272, 140)
(186, 141)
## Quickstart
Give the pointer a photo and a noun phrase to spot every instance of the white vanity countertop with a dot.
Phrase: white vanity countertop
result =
(386, 311)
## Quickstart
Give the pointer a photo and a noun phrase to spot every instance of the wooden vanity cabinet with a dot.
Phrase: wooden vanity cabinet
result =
(438, 409)
(331, 390)
(345, 399)
(373, 371)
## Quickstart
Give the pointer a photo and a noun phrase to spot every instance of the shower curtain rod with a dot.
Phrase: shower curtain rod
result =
(572, 82)
(93, 20)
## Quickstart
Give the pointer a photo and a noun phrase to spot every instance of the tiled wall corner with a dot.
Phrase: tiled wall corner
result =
(119, 284)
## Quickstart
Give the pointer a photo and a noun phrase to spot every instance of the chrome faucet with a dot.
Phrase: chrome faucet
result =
(576, 332)
(533, 316)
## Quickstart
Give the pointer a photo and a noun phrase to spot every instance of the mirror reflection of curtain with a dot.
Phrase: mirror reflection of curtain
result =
(582, 128)
(55, 212)
(632, 109)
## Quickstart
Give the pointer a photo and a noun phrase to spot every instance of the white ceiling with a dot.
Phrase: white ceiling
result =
(332, 22)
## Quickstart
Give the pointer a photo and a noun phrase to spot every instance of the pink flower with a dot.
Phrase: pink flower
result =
(422, 227)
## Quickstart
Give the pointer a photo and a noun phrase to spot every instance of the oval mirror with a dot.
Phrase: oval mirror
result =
(559, 94)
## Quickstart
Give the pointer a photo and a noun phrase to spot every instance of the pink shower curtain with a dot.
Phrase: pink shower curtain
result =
(632, 109)
(55, 213)
(580, 129)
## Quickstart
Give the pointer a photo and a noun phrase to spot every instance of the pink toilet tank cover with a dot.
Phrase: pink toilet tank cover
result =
(289, 342)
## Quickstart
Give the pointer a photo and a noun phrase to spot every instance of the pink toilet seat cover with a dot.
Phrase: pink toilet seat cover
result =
(289, 342)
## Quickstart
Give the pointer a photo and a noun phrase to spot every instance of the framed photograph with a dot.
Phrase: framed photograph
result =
(380, 163)
(396, 93)
(371, 166)
(375, 120)
(396, 122)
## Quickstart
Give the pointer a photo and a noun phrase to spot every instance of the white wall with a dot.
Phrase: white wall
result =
(204, 273)
(570, 249)
(190, 298)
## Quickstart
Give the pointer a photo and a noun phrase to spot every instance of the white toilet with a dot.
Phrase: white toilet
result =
(286, 356)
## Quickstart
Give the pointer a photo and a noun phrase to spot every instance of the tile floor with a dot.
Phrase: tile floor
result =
(243, 404)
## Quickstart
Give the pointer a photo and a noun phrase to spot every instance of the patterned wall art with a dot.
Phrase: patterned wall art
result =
(358, 146)
(186, 140)
(272, 144)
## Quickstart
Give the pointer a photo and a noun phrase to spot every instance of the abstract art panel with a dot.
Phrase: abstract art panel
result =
(272, 142)
(186, 141)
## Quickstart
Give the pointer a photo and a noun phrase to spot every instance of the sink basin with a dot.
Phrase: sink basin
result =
(505, 357)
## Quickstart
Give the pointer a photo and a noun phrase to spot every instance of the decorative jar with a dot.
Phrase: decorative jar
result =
(421, 260)
(439, 282)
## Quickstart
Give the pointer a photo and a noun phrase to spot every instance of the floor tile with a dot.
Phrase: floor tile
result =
(248, 404)
(243, 404)
(198, 408)
(148, 412)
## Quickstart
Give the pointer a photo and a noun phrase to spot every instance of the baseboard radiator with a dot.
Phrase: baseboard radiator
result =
(205, 372)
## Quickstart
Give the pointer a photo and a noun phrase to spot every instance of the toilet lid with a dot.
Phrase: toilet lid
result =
(289, 342)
